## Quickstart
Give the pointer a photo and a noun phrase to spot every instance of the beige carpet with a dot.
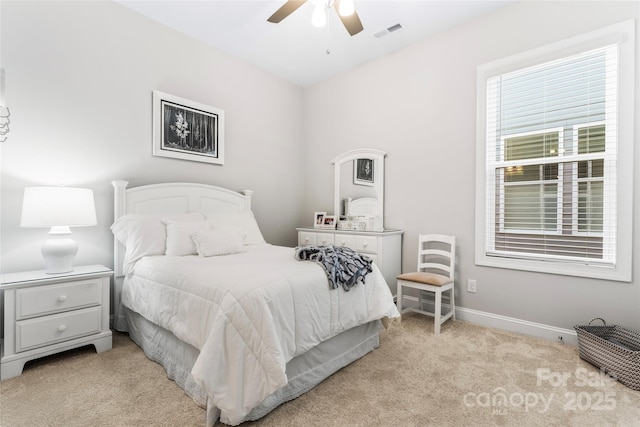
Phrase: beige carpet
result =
(467, 376)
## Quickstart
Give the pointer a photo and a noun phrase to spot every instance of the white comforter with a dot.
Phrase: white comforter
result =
(249, 314)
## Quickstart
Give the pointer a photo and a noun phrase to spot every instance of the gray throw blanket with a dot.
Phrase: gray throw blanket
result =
(344, 266)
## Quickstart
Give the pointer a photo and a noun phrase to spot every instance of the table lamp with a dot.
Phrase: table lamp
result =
(58, 208)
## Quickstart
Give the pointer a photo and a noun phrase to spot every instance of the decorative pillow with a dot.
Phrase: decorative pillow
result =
(240, 220)
(214, 243)
(179, 242)
(145, 235)
(426, 278)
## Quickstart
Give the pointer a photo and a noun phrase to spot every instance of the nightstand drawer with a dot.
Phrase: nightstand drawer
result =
(48, 330)
(42, 300)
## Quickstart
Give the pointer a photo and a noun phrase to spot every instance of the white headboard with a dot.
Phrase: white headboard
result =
(170, 198)
(177, 197)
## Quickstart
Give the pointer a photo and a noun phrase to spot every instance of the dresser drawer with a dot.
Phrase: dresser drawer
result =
(315, 239)
(42, 300)
(324, 239)
(366, 244)
(47, 330)
(345, 240)
(306, 239)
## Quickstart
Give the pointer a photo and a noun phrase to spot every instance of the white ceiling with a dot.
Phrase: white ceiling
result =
(299, 52)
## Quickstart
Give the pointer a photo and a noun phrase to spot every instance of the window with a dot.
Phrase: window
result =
(555, 150)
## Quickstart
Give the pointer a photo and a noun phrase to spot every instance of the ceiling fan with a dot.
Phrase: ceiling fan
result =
(345, 8)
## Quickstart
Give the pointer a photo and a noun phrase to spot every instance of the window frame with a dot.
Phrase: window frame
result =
(606, 178)
(537, 161)
(622, 34)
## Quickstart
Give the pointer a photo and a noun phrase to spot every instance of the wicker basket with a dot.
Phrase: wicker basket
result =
(614, 349)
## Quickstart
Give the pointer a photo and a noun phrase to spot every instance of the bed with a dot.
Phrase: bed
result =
(239, 324)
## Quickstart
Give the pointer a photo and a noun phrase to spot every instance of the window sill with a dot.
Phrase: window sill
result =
(614, 273)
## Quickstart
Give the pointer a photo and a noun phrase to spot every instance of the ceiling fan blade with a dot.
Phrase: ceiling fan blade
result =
(285, 10)
(352, 22)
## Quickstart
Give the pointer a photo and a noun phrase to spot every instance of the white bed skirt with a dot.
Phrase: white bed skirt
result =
(303, 372)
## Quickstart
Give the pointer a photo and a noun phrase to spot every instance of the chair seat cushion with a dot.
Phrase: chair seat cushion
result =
(426, 278)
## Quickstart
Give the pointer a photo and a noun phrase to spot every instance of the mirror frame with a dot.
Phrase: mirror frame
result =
(368, 153)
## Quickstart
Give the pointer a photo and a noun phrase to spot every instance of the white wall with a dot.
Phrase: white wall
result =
(419, 106)
(79, 79)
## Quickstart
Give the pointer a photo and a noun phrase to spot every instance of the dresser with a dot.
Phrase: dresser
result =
(49, 313)
(383, 247)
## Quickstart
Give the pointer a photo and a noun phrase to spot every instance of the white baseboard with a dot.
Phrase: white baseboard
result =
(520, 326)
(505, 323)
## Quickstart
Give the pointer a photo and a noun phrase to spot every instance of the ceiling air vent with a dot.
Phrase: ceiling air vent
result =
(389, 30)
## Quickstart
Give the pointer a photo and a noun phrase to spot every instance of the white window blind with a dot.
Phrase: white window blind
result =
(539, 143)
(551, 157)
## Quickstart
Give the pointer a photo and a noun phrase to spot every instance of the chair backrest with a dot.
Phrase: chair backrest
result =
(437, 254)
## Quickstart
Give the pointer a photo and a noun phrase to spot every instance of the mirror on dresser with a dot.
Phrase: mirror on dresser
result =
(358, 194)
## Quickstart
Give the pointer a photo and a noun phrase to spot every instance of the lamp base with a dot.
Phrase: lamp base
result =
(59, 255)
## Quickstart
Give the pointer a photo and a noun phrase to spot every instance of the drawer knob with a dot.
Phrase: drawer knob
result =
(62, 328)
(62, 298)
(364, 245)
(344, 243)
(306, 239)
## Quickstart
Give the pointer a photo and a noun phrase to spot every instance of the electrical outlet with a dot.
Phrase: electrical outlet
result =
(471, 285)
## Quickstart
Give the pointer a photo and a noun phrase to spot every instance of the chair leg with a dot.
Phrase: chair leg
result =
(437, 314)
(453, 304)
(399, 298)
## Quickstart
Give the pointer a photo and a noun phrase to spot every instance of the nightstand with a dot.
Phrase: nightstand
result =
(49, 313)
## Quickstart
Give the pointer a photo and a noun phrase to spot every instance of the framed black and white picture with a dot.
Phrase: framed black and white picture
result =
(187, 130)
(363, 172)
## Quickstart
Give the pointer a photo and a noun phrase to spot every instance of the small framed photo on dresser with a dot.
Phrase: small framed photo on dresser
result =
(329, 221)
(318, 219)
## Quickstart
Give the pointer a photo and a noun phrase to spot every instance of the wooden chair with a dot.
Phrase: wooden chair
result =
(435, 274)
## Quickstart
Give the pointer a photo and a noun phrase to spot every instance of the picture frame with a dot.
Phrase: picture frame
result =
(318, 219)
(329, 221)
(363, 172)
(187, 130)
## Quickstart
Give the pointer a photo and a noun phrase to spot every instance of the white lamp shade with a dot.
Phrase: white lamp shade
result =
(58, 206)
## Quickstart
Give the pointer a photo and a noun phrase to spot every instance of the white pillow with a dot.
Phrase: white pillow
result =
(240, 220)
(145, 235)
(179, 242)
(214, 242)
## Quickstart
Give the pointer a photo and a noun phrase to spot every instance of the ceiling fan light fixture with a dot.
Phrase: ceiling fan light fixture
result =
(346, 7)
(319, 16)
